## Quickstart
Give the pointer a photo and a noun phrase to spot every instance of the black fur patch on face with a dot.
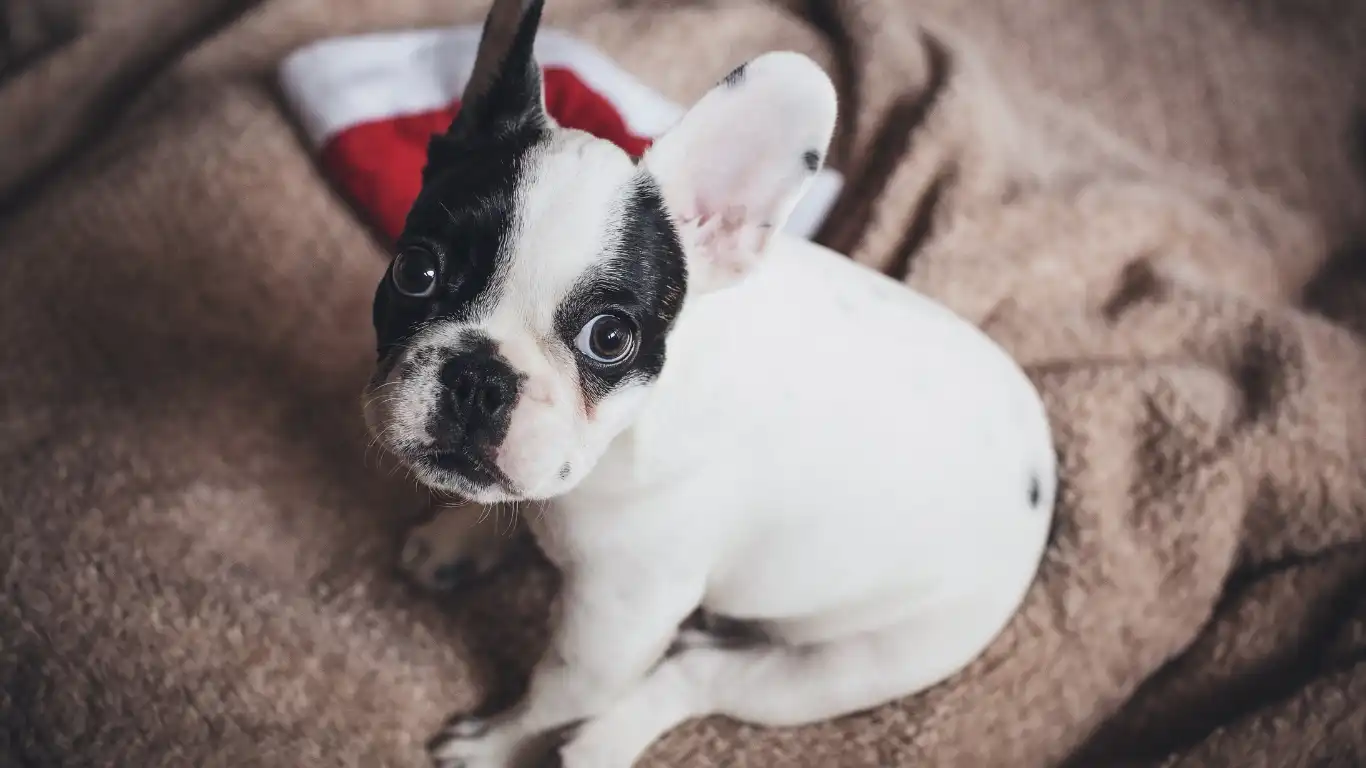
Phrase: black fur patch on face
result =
(463, 215)
(643, 279)
(811, 159)
(735, 77)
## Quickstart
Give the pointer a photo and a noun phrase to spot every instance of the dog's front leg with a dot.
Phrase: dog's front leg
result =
(615, 622)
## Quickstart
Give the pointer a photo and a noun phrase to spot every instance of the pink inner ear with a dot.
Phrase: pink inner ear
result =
(725, 239)
(715, 228)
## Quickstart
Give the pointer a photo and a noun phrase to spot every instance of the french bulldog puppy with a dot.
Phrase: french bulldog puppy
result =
(713, 414)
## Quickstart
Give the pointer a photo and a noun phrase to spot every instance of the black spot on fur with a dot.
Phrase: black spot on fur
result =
(643, 279)
(565, 470)
(1035, 491)
(735, 77)
(812, 159)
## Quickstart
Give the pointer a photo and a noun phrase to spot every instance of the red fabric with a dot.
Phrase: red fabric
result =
(378, 165)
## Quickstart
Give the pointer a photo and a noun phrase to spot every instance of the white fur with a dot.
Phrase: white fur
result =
(826, 452)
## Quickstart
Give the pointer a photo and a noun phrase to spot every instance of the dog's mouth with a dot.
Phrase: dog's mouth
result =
(474, 476)
(469, 471)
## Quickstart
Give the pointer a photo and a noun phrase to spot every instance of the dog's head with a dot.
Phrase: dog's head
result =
(527, 311)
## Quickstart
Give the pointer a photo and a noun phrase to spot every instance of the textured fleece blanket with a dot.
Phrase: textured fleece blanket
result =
(1151, 204)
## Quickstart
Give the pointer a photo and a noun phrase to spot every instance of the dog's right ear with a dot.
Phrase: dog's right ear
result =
(504, 92)
(736, 164)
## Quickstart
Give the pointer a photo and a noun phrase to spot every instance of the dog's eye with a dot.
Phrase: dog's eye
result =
(606, 339)
(414, 272)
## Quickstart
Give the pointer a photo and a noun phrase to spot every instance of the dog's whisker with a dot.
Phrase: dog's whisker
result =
(383, 398)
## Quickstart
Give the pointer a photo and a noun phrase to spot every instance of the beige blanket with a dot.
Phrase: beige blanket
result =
(1141, 200)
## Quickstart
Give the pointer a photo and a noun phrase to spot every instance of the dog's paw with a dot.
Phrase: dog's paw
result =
(594, 749)
(454, 550)
(424, 561)
(469, 741)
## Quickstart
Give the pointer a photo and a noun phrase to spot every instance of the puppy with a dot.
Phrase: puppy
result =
(714, 414)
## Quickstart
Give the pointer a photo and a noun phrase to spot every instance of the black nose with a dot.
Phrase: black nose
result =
(481, 389)
(475, 396)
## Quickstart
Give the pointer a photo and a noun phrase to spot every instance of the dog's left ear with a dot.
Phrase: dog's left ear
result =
(504, 91)
(737, 163)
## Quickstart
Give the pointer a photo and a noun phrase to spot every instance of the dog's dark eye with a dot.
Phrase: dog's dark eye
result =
(414, 272)
(606, 339)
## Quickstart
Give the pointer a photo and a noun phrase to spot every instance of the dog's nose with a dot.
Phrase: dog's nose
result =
(481, 389)
(477, 397)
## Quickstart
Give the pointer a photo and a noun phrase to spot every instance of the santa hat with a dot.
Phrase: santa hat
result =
(368, 105)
